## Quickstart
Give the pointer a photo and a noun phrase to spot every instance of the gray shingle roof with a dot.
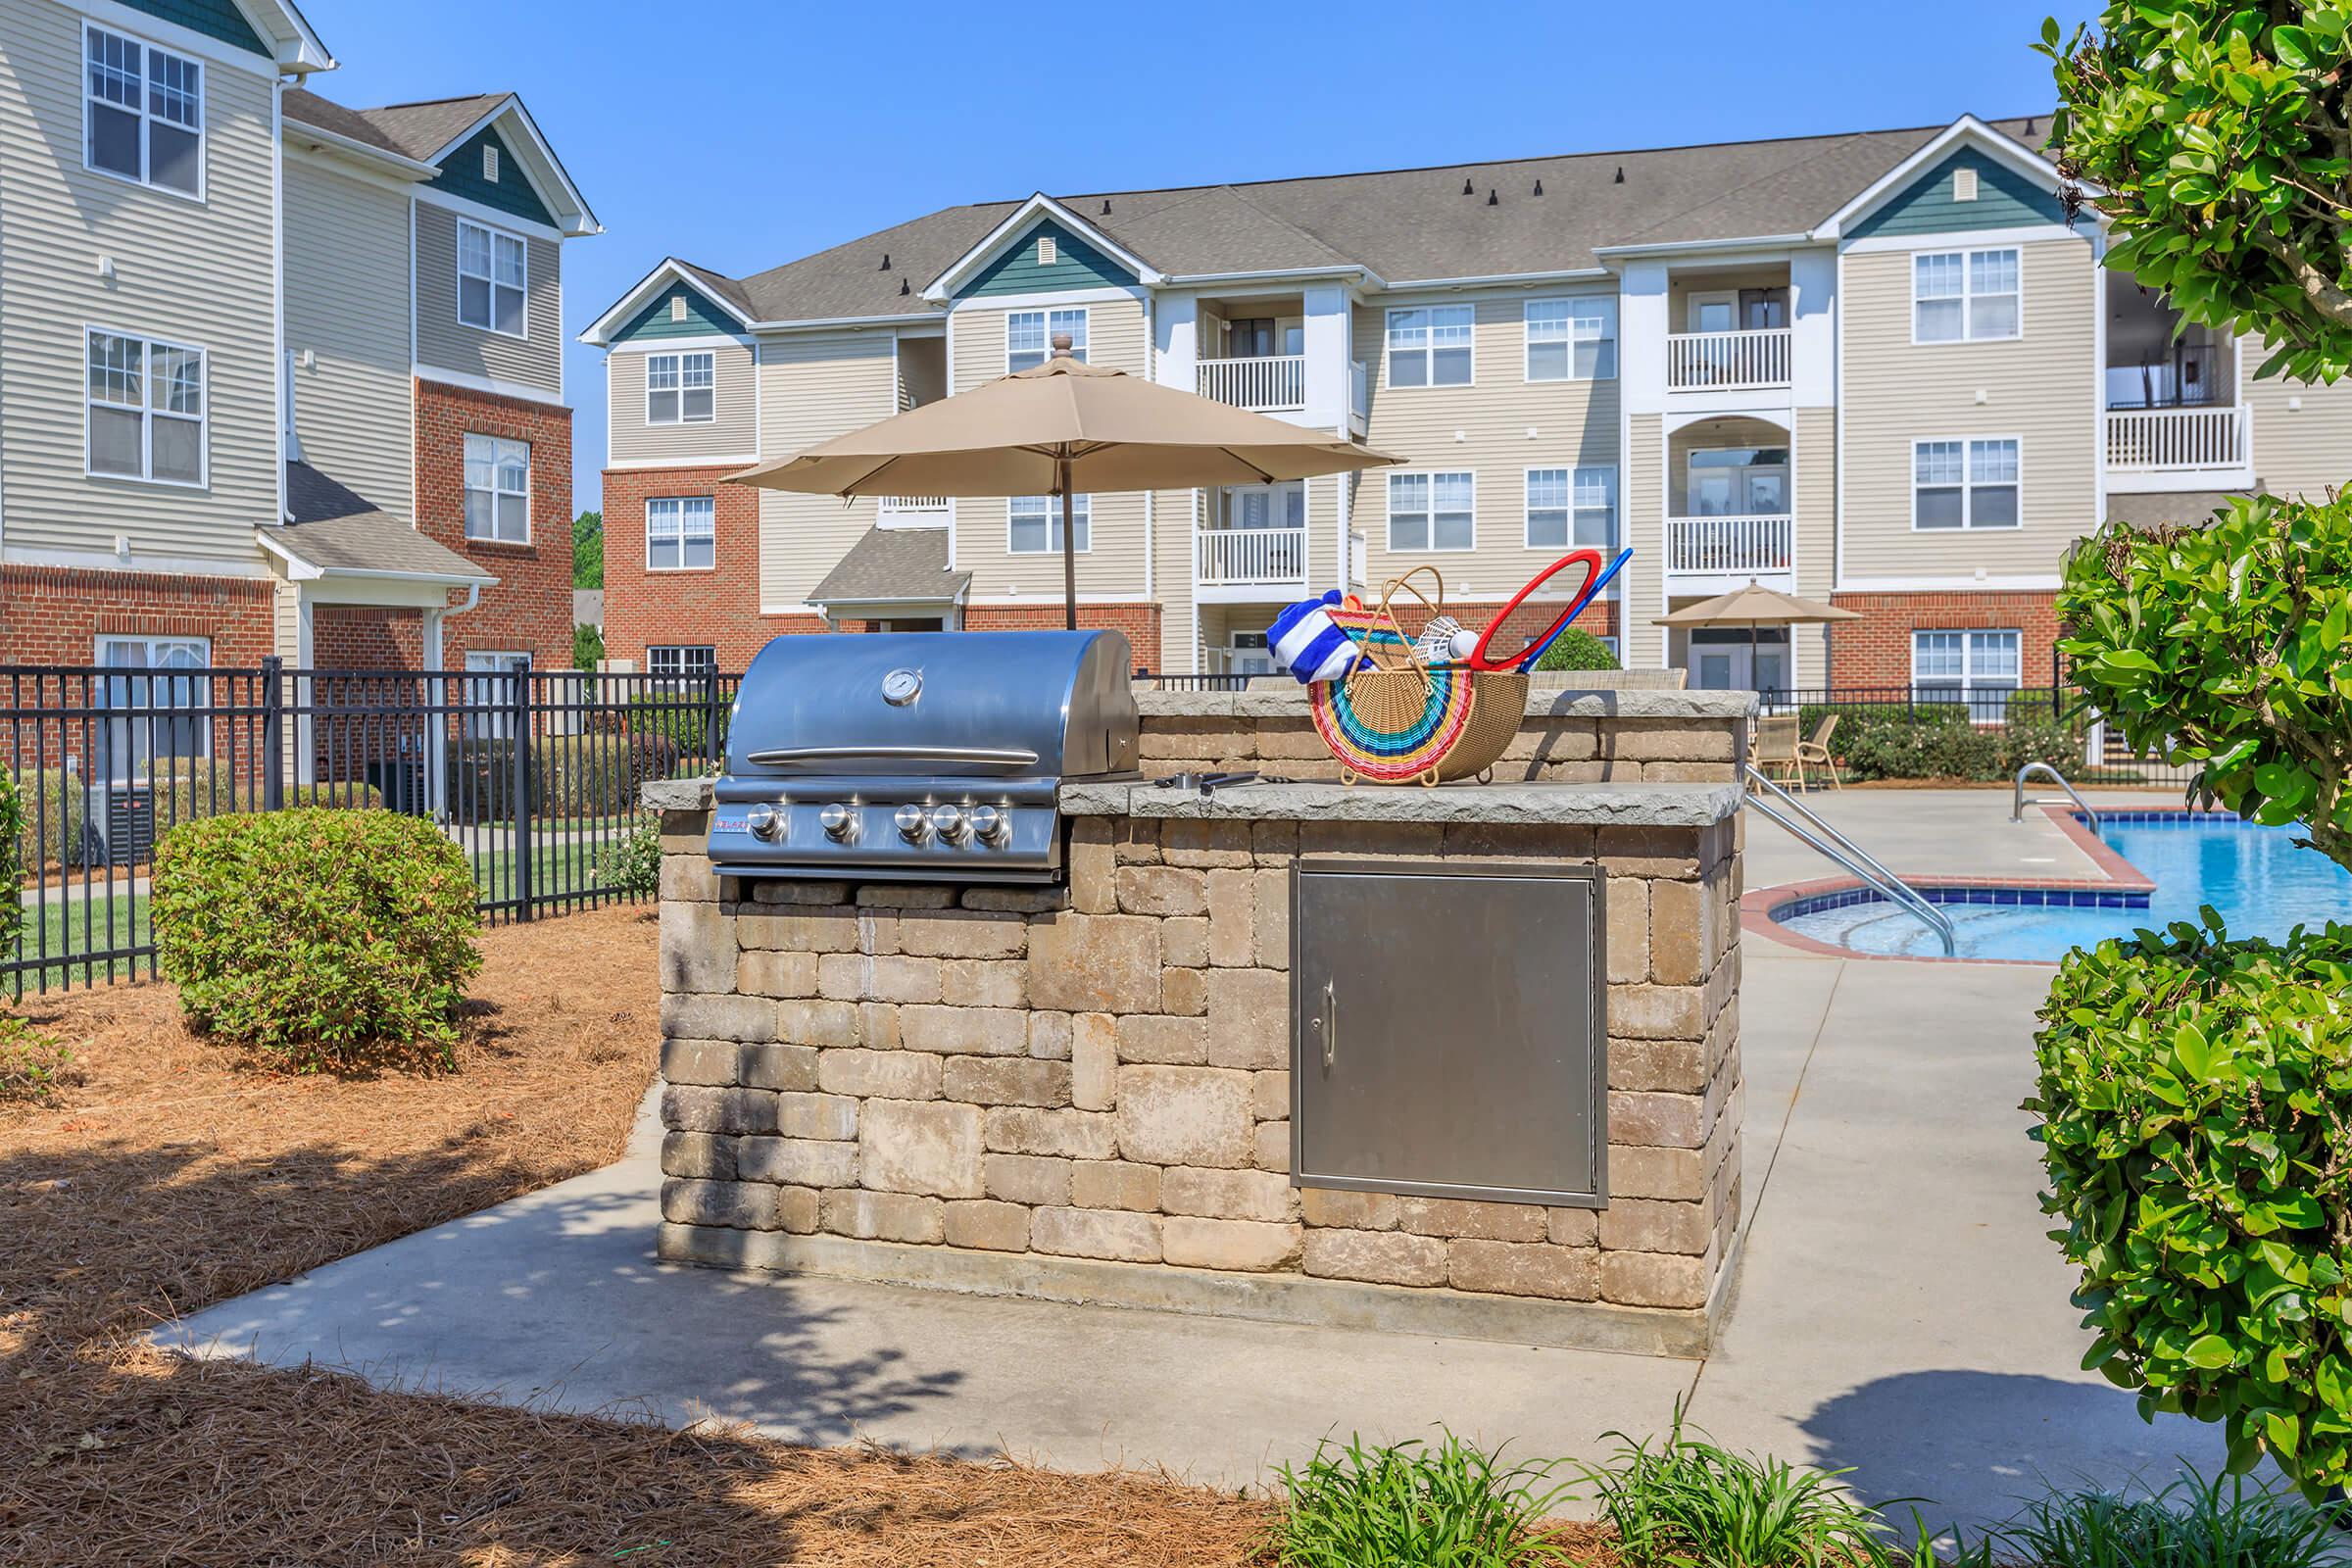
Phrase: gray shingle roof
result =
(1405, 224)
(412, 131)
(893, 563)
(334, 528)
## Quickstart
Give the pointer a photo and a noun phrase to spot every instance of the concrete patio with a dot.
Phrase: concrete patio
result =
(1900, 1313)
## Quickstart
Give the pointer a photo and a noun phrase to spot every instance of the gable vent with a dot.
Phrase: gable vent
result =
(1048, 253)
(1964, 184)
(678, 307)
(490, 164)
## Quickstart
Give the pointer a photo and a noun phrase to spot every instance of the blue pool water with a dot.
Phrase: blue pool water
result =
(2260, 880)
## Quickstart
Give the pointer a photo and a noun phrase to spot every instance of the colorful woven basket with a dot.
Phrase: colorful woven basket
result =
(1402, 722)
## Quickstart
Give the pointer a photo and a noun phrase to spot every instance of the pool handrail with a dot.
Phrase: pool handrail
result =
(2017, 802)
(1836, 846)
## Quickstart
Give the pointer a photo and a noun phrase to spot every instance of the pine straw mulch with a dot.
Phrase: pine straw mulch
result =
(178, 1172)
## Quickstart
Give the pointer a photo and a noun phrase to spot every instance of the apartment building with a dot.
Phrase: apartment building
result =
(1885, 370)
(275, 375)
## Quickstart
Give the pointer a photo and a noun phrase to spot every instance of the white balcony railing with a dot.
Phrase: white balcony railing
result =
(2154, 440)
(1228, 557)
(909, 511)
(1727, 362)
(1267, 385)
(1730, 546)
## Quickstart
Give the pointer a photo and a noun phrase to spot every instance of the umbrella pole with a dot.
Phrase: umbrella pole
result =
(1069, 546)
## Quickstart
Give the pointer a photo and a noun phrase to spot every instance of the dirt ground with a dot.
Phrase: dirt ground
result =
(178, 1172)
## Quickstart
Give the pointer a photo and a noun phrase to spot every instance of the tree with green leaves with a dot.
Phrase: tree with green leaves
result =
(588, 550)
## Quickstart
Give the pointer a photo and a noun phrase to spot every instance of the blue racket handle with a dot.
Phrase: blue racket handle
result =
(1577, 609)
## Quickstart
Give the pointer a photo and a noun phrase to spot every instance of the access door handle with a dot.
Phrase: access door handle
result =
(1331, 1024)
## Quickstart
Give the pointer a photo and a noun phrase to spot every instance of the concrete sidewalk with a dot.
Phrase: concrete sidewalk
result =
(1900, 1311)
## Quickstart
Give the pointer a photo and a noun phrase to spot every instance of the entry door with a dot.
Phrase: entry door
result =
(1736, 667)
(1716, 311)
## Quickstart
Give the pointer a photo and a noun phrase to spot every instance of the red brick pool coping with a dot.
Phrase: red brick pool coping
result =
(2116, 875)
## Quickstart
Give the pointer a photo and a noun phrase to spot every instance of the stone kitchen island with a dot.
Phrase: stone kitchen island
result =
(1111, 1089)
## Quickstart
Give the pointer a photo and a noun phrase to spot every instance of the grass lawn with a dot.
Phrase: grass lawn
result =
(176, 1173)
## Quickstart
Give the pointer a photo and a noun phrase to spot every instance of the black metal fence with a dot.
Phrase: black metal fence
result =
(2106, 757)
(1193, 683)
(533, 774)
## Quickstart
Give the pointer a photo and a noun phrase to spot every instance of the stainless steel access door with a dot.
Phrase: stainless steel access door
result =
(1447, 1030)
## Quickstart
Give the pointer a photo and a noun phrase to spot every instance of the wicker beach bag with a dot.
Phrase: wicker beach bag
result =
(1399, 722)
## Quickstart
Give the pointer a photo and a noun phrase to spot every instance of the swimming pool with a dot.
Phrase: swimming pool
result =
(2260, 880)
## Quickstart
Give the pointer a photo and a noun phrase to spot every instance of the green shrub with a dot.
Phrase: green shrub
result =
(53, 804)
(12, 865)
(1407, 1504)
(32, 1065)
(1939, 740)
(2195, 1105)
(593, 774)
(681, 720)
(632, 865)
(1686, 1502)
(1576, 649)
(186, 788)
(2192, 1523)
(327, 938)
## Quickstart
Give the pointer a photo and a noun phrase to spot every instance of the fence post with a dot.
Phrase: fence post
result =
(713, 718)
(521, 833)
(274, 733)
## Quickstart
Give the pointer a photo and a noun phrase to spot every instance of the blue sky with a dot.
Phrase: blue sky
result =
(743, 135)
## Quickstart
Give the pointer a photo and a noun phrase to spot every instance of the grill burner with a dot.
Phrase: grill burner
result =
(918, 756)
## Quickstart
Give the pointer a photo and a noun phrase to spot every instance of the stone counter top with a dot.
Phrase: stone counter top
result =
(1278, 703)
(1679, 805)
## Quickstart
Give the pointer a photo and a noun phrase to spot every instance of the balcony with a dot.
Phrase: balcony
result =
(1728, 362)
(1274, 383)
(1250, 559)
(912, 512)
(2180, 448)
(1715, 555)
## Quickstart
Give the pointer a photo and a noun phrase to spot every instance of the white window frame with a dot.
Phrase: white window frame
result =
(1060, 317)
(497, 444)
(1970, 681)
(1533, 332)
(489, 701)
(1580, 474)
(165, 686)
(493, 238)
(1427, 349)
(147, 411)
(676, 655)
(1967, 296)
(682, 367)
(1082, 525)
(1968, 482)
(144, 111)
(684, 510)
(1432, 548)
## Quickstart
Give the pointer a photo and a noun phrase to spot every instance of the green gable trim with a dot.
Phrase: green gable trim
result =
(2005, 199)
(461, 175)
(703, 318)
(1076, 266)
(215, 19)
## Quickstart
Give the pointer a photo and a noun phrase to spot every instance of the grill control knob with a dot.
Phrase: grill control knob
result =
(914, 827)
(839, 823)
(952, 824)
(989, 825)
(764, 822)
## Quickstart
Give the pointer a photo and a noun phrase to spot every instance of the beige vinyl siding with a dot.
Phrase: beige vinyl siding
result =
(2297, 451)
(813, 386)
(536, 360)
(195, 274)
(735, 403)
(1112, 566)
(1172, 580)
(1481, 428)
(347, 306)
(1642, 505)
(2042, 388)
(1813, 482)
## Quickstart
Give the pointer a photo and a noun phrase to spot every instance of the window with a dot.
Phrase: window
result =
(1430, 345)
(1572, 340)
(498, 489)
(500, 677)
(681, 533)
(1963, 664)
(1964, 296)
(1032, 528)
(493, 274)
(1029, 337)
(1572, 508)
(678, 389)
(681, 659)
(1431, 511)
(1964, 484)
(146, 409)
(143, 118)
(169, 677)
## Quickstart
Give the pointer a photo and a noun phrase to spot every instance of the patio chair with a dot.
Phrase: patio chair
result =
(1814, 749)
(1773, 744)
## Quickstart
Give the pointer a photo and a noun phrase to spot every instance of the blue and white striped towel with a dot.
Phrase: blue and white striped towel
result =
(1310, 645)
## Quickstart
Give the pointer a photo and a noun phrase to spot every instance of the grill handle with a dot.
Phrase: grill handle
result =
(972, 756)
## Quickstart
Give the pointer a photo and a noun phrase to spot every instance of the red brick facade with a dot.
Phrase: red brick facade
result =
(1140, 620)
(55, 614)
(530, 605)
(720, 607)
(364, 637)
(1876, 651)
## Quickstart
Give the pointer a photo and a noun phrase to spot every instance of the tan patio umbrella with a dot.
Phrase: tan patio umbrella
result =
(1752, 607)
(1062, 428)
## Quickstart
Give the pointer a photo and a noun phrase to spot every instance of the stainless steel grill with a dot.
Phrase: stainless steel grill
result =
(918, 757)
